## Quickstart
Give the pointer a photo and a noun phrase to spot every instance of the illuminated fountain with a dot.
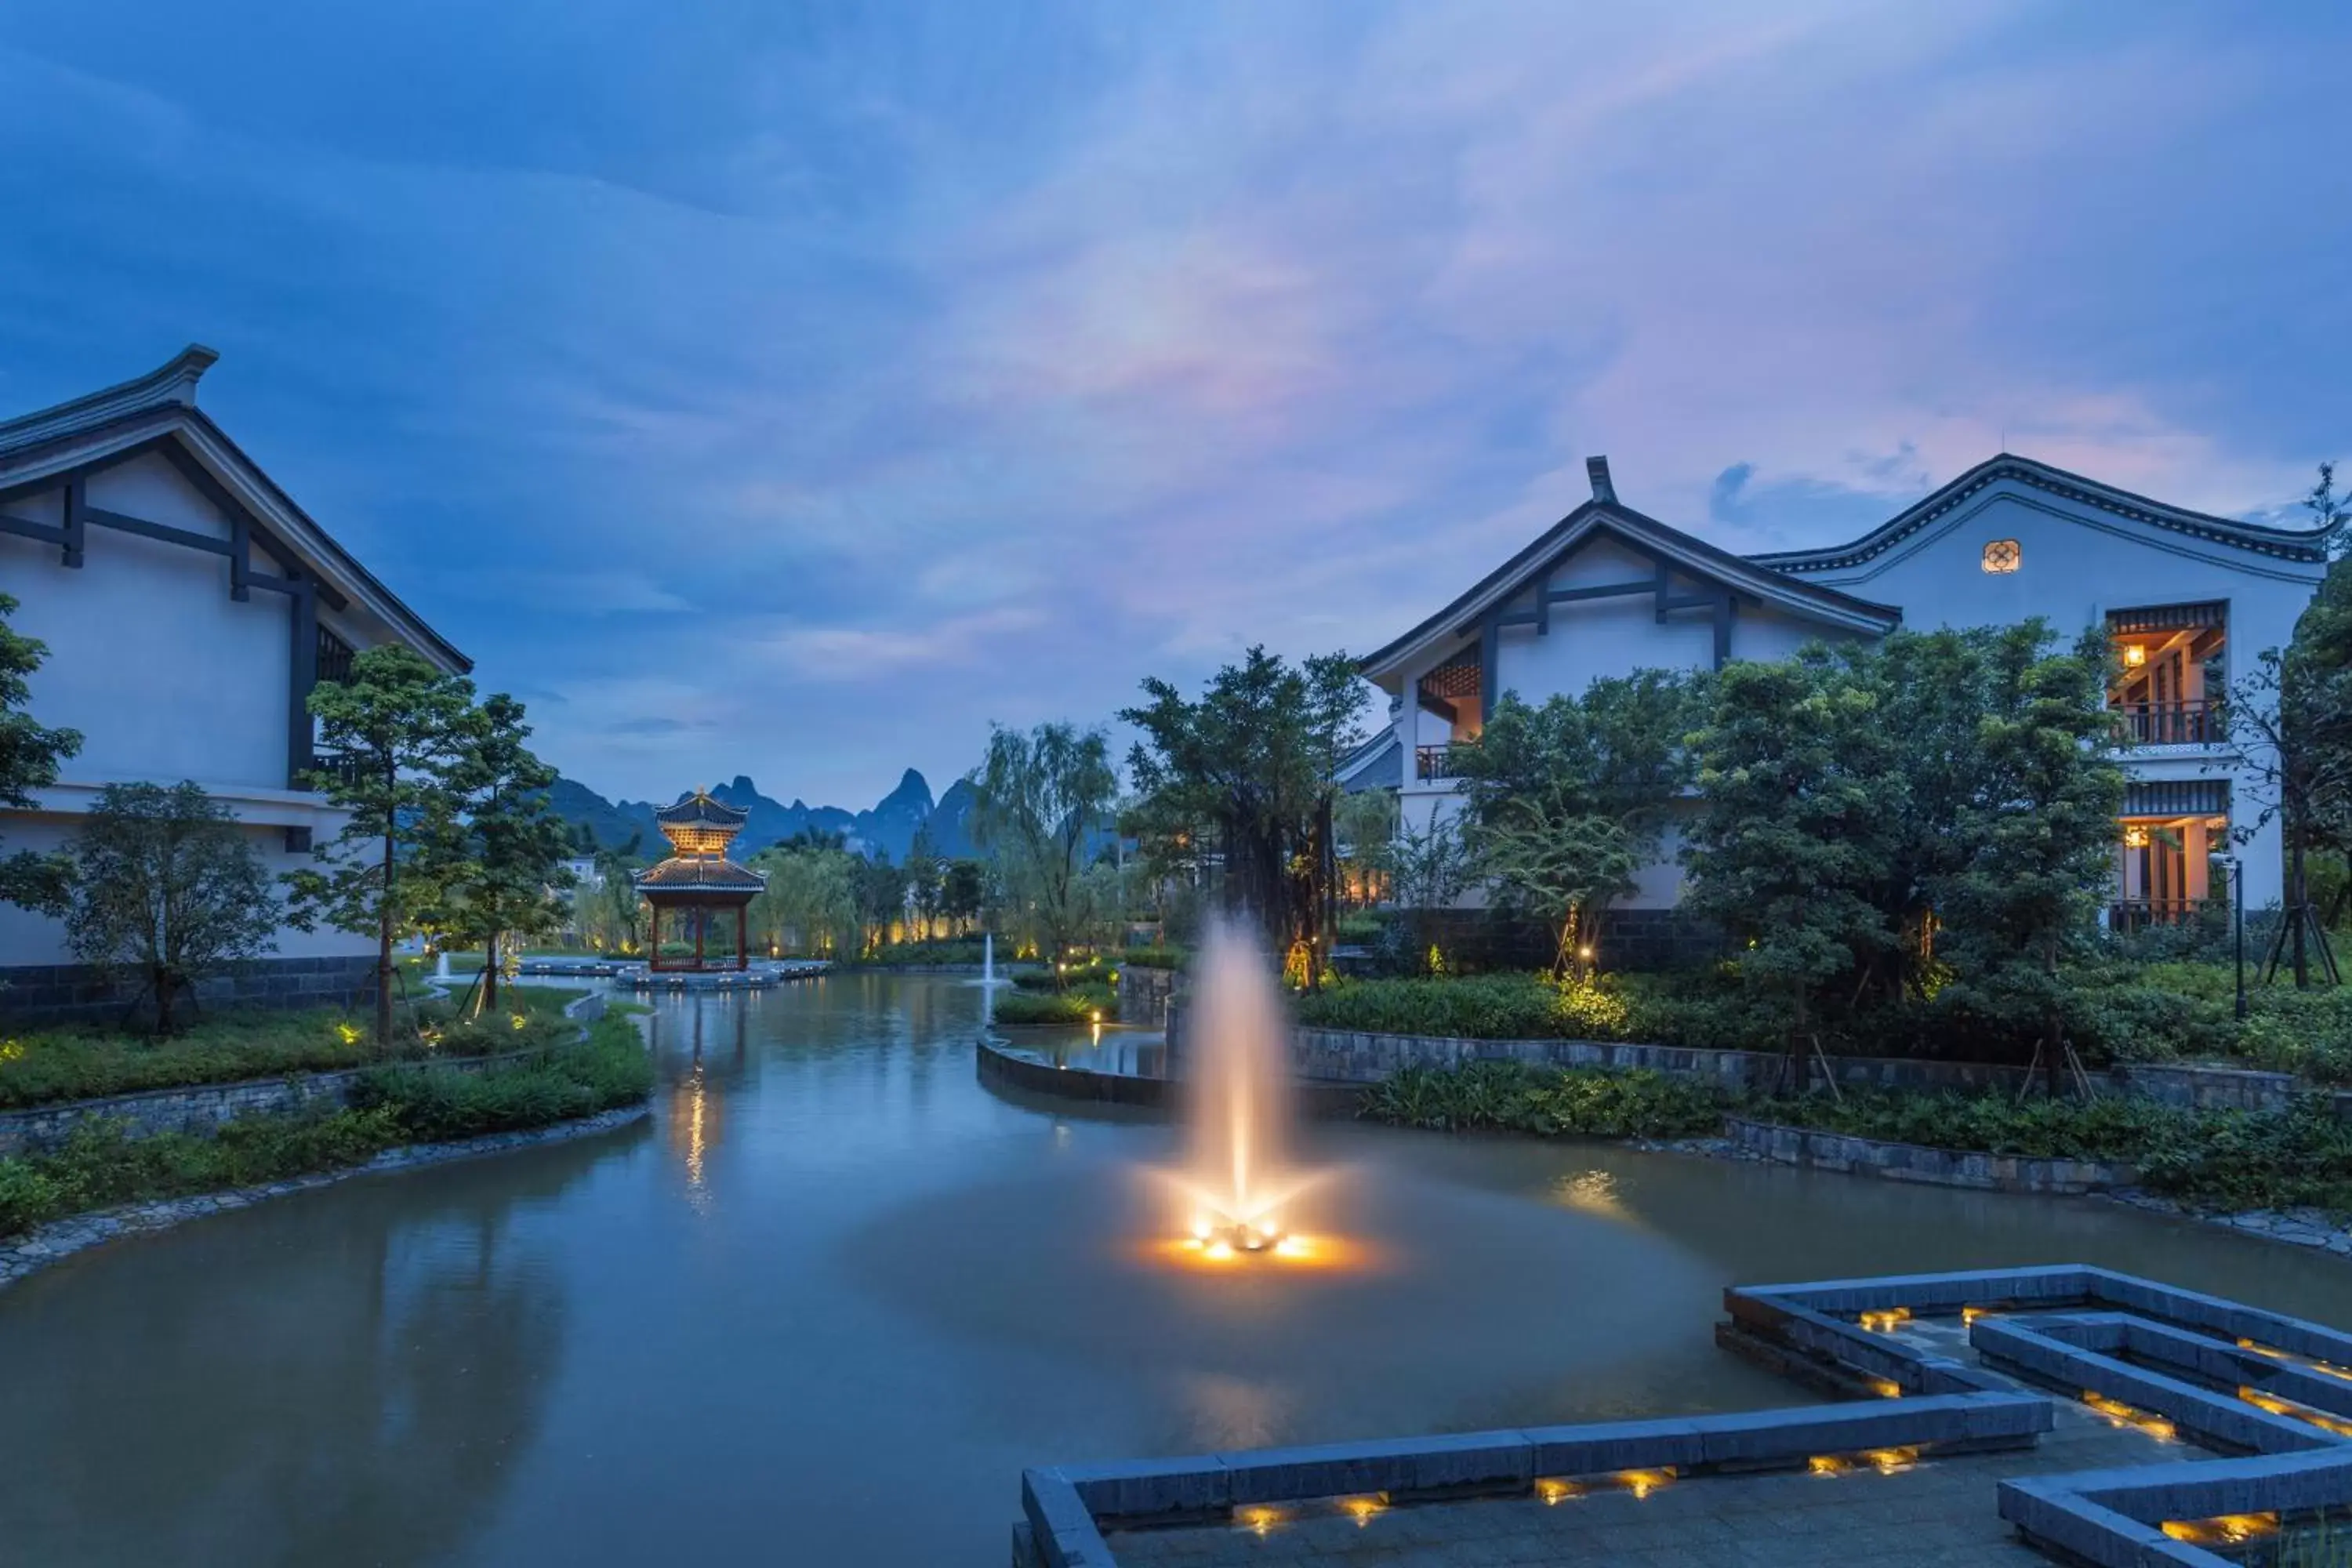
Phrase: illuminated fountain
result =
(1238, 1189)
(988, 976)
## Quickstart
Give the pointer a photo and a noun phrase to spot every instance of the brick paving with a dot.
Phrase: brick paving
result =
(1936, 1514)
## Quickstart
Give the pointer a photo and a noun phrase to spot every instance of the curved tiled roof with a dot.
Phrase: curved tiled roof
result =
(697, 807)
(698, 874)
(2308, 545)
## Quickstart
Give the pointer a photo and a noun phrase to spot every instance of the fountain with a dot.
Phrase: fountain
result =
(1237, 1107)
(441, 964)
(988, 961)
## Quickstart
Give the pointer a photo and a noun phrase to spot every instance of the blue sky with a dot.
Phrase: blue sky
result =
(794, 389)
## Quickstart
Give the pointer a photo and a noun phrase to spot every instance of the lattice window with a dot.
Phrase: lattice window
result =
(2002, 556)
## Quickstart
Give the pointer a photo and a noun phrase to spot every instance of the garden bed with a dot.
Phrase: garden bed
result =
(47, 1066)
(101, 1165)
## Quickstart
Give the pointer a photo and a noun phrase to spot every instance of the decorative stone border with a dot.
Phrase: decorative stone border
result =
(2111, 1518)
(1064, 1507)
(1893, 1161)
(59, 1240)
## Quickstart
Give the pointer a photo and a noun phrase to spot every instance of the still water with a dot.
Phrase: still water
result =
(832, 1298)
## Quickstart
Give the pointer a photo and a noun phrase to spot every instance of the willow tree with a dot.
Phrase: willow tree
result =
(1251, 761)
(1040, 803)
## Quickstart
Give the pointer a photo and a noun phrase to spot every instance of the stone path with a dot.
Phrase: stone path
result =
(1941, 1511)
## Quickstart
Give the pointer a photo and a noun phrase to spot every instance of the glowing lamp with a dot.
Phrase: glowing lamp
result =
(2135, 837)
(2134, 655)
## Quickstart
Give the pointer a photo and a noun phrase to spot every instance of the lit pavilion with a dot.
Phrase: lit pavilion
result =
(697, 881)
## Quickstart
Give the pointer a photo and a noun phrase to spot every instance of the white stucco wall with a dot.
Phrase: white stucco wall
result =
(166, 677)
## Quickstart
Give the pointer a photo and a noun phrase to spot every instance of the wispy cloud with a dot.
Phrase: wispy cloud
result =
(795, 401)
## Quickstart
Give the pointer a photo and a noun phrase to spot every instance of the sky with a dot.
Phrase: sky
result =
(793, 390)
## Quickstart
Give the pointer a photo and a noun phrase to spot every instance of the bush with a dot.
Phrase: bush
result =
(1078, 1004)
(1511, 1097)
(959, 950)
(100, 1165)
(2233, 1159)
(1162, 957)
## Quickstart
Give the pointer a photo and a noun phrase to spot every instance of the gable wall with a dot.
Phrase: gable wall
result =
(2077, 563)
(166, 677)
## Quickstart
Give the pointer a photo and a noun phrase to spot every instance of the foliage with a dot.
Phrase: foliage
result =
(1038, 798)
(101, 1166)
(1077, 1005)
(1244, 773)
(494, 844)
(398, 726)
(2037, 817)
(79, 1062)
(957, 951)
(810, 904)
(29, 755)
(1432, 868)
(2227, 1158)
(1153, 958)
(1594, 1102)
(1364, 827)
(1567, 802)
(167, 886)
(1796, 770)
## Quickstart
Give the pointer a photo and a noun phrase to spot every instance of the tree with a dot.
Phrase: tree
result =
(2038, 824)
(1798, 781)
(496, 847)
(964, 892)
(925, 873)
(29, 755)
(167, 886)
(809, 904)
(1251, 761)
(1364, 834)
(880, 889)
(1037, 799)
(1567, 802)
(398, 727)
(1432, 870)
(616, 889)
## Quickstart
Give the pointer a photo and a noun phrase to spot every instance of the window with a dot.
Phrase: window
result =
(2002, 556)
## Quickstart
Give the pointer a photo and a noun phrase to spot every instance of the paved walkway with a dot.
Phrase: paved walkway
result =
(1937, 1514)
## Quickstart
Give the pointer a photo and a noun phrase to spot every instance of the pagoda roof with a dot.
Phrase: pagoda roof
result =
(697, 807)
(698, 874)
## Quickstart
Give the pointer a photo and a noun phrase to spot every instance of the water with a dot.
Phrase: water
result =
(1238, 1190)
(826, 1303)
(988, 961)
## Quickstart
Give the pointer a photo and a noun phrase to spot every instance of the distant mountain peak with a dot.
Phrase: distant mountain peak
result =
(888, 828)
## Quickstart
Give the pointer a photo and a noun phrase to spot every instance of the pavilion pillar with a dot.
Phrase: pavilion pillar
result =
(701, 919)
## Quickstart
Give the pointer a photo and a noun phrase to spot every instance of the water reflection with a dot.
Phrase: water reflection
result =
(384, 1355)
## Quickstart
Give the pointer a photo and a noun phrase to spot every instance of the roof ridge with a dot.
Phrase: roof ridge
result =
(174, 383)
(2290, 543)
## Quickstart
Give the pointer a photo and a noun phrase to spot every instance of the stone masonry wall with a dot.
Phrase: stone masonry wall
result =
(64, 992)
(1144, 994)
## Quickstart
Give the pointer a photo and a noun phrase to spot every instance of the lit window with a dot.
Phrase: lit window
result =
(2002, 556)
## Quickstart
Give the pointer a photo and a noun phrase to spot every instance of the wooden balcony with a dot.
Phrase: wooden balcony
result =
(2188, 723)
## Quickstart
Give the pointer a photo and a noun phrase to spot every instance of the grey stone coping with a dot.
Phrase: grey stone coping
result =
(1066, 1505)
(1918, 1162)
(2070, 1326)
(999, 1062)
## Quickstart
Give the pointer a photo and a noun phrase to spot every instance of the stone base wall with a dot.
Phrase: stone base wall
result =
(1476, 941)
(1144, 994)
(1917, 1163)
(67, 993)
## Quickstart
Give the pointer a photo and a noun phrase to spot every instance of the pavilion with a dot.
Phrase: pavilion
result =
(697, 881)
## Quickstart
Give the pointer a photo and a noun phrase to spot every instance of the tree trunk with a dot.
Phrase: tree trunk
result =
(491, 971)
(163, 985)
(383, 952)
(2298, 909)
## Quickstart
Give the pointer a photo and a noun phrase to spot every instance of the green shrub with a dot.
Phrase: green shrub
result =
(957, 951)
(1511, 1097)
(1161, 957)
(1078, 1004)
(100, 1165)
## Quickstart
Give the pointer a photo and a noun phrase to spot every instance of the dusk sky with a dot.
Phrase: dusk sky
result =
(791, 390)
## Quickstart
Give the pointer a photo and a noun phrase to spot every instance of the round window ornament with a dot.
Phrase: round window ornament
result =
(2002, 556)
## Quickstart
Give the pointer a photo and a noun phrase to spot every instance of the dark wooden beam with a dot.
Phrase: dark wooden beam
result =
(240, 558)
(186, 538)
(259, 532)
(1726, 607)
(1543, 603)
(302, 619)
(26, 528)
(78, 517)
(1490, 648)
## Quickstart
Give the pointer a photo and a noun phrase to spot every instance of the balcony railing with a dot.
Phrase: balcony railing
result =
(2138, 914)
(335, 764)
(2195, 724)
(1432, 762)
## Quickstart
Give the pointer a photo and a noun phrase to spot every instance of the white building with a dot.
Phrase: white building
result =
(1607, 591)
(189, 606)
